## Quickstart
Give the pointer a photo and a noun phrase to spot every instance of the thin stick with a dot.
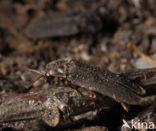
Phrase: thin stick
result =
(147, 58)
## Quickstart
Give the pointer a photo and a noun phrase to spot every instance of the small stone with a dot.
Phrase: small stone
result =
(141, 63)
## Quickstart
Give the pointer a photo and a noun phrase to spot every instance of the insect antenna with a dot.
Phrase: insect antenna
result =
(35, 71)
(41, 75)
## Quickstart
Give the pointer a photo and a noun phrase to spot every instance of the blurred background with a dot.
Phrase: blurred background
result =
(35, 32)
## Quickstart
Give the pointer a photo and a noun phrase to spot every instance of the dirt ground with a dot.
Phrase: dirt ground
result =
(35, 32)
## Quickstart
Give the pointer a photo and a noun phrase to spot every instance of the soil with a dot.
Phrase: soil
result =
(33, 33)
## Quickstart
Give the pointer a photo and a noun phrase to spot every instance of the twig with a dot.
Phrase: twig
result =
(146, 77)
(53, 106)
(147, 58)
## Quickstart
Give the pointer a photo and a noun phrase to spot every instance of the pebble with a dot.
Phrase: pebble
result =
(141, 63)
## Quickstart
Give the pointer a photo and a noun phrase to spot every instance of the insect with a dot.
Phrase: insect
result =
(121, 89)
(48, 105)
(62, 24)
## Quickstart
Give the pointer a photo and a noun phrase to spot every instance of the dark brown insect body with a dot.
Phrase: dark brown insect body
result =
(55, 24)
(93, 78)
(52, 104)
